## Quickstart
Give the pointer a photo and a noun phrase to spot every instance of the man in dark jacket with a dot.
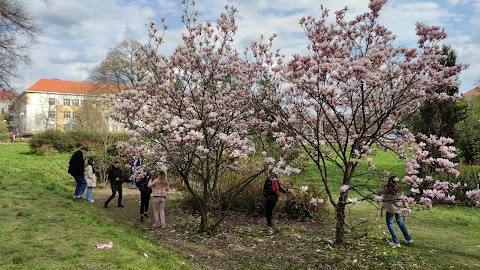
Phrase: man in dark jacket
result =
(76, 168)
(115, 178)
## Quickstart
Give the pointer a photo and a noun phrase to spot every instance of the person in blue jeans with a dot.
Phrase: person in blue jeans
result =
(76, 169)
(134, 163)
(393, 205)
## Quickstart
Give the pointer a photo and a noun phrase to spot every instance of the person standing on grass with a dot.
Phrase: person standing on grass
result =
(393, 205)
(12, 136)
(76, 169)
(115, 178)
(134, 163)
(145, 191)
(91, 179)
(160, 189)
(271, 191)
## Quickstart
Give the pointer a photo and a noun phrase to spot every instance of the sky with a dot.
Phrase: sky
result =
(77, 34)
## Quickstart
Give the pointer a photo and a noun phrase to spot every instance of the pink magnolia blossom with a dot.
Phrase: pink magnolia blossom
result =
(406, 211)
(344, 188)
(304, 189)
(354, 201)
(316, 201)
(473, 194)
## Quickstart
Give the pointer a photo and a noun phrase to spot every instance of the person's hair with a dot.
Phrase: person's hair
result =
(162, 179)
(116, 162)
(85, 148)
(392, 186)
(90, 162)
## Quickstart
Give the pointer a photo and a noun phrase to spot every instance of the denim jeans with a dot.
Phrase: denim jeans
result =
(89, 194)
(133, 180)
(403, 228)
(80, 187)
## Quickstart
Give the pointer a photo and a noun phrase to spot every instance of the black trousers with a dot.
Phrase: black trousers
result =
(115, 189)
(269, 205)
(144, 201)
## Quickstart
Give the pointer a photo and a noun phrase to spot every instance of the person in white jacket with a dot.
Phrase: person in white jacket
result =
(159, 188)
(91, 179)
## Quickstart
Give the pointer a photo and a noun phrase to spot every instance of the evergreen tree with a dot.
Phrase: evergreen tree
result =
(440, 116)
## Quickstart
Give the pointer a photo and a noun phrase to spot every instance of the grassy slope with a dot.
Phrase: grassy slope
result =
(43, 228)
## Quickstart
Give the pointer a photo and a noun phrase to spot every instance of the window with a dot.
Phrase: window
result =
(51, 114)
(74, 114)
(51, 101)
(67, 115)
(66, 102)
(75, 102)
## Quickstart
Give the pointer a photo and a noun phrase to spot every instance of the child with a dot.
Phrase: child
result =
(91, 179)
(393, 207)
(160, 188)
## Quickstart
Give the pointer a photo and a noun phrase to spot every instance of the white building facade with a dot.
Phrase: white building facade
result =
(52, 104)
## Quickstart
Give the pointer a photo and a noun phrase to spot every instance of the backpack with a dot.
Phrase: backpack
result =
(142, 184)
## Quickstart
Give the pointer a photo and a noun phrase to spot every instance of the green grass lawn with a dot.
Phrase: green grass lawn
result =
(43, 228)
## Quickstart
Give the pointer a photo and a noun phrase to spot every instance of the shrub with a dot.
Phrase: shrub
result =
(58, 140)
(4, 137)
(294, 205)
(250, 200)
(468, 179)
(304, 203)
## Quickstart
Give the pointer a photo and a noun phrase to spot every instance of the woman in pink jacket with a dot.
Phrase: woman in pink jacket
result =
(159, 188)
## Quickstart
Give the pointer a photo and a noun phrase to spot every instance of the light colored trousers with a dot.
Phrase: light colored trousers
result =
(159, 210)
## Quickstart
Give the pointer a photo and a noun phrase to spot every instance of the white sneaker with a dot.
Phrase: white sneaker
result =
(394, 245)
(91, 200)
(408, 242)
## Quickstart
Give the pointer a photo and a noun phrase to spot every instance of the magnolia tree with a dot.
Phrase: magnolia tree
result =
(354, 87)
(195, 112)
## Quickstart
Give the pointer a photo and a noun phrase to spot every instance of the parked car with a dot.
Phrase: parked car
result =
(392, 136)
(25, 135)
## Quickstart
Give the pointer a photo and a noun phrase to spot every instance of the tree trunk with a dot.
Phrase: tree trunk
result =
(203, 217)
(340, 218)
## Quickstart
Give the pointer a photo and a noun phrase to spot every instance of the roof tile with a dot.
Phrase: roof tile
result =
(474, 92)
(66, 87)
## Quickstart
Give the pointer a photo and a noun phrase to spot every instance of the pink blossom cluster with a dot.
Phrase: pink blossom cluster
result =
(354, 201)
(473, 194)
(316, 201)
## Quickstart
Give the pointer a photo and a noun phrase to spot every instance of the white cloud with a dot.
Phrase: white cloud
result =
(77, 34)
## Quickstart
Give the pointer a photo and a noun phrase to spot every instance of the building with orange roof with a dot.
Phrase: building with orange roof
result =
(6, 100)
(471, 93)
(51, 104)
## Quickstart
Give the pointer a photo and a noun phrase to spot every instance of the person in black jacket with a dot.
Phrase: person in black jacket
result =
(145, 192)
(115, 178)
(271, 191)
(76, 168)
